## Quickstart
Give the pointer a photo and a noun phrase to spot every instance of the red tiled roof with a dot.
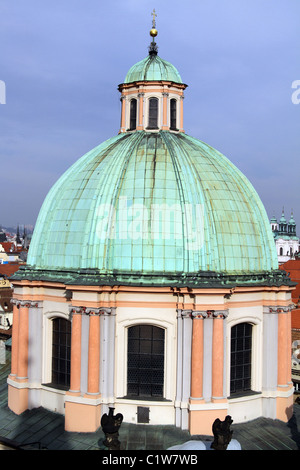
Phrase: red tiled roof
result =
(7, 246)
(296, 319)
(293, 267)
(9, 269)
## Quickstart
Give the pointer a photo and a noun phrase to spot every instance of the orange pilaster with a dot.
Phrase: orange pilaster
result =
(94, 355)
(197, 359)
(217, 358)
(17, 381)
(76, 353)
(284, 408)
(83, 413)
(283, 346)
(202, 414)
(15, 341)
(23, 342)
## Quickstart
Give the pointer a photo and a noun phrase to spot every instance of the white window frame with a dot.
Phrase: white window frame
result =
(256, 351)
(122, 351)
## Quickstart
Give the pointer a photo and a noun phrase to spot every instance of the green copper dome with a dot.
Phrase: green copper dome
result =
(153, 204)
(282, 219)
(153, 68)
(292, 220)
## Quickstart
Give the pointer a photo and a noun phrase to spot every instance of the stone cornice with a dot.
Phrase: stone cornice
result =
(202, 279)
(124, 86)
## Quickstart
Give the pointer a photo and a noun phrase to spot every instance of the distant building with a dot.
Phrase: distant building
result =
(2, 236)
(14, 247)
(292, 267)
(286, 240)
(6, 310)
(12, 256)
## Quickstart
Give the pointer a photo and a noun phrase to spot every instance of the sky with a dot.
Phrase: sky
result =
(61, 62)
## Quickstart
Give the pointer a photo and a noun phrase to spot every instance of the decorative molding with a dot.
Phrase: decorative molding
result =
(220, 314)
(201, 279)
(279, 309)
(210, 314)
(181, 313)
(202, 313)
(92, 311)
(74, 310)
(25, 303)
(199, 314)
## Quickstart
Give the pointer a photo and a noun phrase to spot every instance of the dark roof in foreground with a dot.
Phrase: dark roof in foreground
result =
(42, 429)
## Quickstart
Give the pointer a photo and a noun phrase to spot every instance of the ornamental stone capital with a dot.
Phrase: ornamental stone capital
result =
(278, 309)
(220, 314)
(25, 303)
(184, 313)
(91, 310)
(199, 314)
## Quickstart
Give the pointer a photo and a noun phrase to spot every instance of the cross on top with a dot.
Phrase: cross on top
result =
(154, 15)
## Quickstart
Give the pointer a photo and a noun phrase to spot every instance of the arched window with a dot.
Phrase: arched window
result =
(145, 361)
(281, 251)
(241, 352)
(133, 104)
(173, 111)
(153, 113)
(61, 352)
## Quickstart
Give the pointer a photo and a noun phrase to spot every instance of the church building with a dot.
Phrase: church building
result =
(152, 283)
(285, 237)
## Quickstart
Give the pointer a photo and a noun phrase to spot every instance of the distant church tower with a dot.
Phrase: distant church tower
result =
(286, 240)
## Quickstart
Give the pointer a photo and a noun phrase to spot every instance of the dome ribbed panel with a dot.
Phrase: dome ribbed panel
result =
(153, 68)
(153, 203)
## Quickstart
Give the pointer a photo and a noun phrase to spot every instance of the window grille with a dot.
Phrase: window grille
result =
(145, 362)
(153, 113)
(133, 104)
(173, 104)
(61, 352)
(240, 367)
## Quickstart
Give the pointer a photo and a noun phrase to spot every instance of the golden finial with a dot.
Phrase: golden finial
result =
(153, 31)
